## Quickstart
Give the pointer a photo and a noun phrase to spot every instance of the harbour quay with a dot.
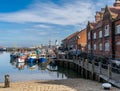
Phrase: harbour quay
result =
(90, 69)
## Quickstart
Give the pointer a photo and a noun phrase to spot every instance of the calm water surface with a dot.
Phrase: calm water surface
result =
(24, 72)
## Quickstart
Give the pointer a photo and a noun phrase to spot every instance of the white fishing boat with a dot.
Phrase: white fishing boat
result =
(20, 60)
(22, 57)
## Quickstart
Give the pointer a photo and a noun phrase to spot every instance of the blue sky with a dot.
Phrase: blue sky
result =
(35, 22)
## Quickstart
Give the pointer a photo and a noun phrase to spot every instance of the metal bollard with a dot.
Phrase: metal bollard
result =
(7, 81)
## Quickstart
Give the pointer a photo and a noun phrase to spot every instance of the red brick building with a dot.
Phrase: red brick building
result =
(76, 40)
(90, 28)
(69, 42)
(117, 37)
(82, 40)
(103, 36)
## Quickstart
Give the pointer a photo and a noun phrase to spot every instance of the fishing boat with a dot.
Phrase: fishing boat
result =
(13, 55)
(32, 57)
(22, 57)
(42, 57)
(20, 60)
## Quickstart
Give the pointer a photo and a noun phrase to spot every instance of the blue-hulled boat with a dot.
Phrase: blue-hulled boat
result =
(32, 57)
(42, 58)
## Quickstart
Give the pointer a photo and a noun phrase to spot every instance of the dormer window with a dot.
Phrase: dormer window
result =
(106, 28)
(118, 29)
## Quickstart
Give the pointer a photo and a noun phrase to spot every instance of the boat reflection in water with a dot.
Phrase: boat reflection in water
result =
(61, 73)
(15, 63)
(33, 65)
(20, 66)
(25, 71)
(49, 69)
(1, 52)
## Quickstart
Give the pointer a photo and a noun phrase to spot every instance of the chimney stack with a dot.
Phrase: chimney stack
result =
(97, 16)
(101, 13)
(117, 3)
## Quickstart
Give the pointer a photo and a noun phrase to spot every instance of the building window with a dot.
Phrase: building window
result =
(106, 30)
(89, 35)
(107, 46)
(88, 46)
(118, 29)
(79, 37)
(118, 43)
(100, 34)
(100, 46)
(94, 46)
(94, 35)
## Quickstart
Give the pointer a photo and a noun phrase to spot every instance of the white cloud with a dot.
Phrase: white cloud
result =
(68, 14)
(39, 15)
(41, 26)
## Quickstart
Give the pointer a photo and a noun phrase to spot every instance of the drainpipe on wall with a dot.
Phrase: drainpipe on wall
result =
(113, 39)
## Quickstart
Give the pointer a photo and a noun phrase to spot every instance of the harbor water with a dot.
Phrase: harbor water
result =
(31, 71)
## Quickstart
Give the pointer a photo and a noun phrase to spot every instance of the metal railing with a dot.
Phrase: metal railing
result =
(108, 71)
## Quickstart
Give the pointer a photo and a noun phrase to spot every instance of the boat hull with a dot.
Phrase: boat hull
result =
(42, 60)
(20, 60)
(31, 59)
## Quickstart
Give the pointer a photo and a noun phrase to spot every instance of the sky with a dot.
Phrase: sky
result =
(35, 22)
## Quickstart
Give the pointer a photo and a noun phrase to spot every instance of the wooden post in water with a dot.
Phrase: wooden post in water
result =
(67, 56)
(73, 58)
(7, 81)
(57, 56)
(68, 65)
(63, 64)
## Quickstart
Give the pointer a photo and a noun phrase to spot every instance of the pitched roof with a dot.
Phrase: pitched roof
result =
(98, 24)
(114, 11)
(70, 36)
(92, 24)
